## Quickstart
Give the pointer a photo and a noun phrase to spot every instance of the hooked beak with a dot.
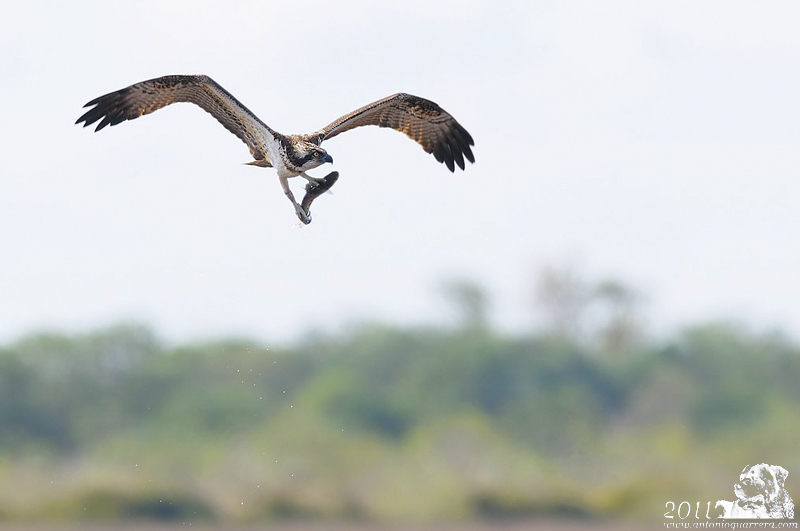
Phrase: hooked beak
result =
(327, 158)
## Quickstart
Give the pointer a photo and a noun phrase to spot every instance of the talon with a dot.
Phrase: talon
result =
(303, 215)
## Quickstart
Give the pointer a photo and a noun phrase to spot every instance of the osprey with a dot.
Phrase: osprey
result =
(291, 155)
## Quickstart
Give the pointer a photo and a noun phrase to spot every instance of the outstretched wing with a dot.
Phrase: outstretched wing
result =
(153, 94)
(422, 120)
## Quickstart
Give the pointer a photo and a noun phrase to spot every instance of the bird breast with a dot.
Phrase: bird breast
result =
(278, 157)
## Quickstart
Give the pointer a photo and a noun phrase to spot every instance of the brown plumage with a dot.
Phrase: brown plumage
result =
(419, 119)
(148, 96)
(291, 155)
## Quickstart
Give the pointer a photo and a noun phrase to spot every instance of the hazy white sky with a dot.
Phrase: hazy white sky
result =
(652, 141)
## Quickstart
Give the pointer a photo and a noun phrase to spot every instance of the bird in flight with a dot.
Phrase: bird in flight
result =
(291, 155)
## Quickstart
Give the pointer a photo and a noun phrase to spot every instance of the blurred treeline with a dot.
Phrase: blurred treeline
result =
(585, 418)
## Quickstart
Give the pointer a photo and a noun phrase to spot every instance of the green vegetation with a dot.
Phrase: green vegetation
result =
(388, 424)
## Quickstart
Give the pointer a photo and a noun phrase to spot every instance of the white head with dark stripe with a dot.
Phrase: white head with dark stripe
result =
(306, 156)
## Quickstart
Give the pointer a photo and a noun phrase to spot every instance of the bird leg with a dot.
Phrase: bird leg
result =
(316, 187)
(301, 212)
(312, 180)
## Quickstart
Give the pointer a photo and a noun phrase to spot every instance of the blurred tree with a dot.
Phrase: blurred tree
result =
(563, 298)
(601, 314)
(470, 300)
(620, 327)
(27, 412)
(384, 421)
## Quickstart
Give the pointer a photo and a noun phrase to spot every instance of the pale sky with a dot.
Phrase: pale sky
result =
(656, 142)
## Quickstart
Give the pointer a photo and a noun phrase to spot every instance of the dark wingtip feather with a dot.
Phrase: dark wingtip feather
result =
(468, 154)
(89, 117)
(110, 107)
(455, 149)
(469, 136)
(93, 102)
(449, 160)
(445, 155)
(438, 154)
(86, 117)
(463, 134)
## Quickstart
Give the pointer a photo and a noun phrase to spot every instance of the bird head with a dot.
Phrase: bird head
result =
(307, 156)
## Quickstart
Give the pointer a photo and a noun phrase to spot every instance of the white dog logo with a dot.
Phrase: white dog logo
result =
(760, 494)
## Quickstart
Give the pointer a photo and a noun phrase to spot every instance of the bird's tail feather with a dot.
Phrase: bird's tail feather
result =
(262, 163)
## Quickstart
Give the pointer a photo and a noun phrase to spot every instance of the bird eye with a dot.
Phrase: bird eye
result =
(316, 154)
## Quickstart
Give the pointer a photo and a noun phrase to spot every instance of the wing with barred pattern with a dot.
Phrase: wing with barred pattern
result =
(148, 96)
(421, 120)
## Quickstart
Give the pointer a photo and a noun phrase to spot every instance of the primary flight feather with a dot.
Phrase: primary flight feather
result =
(291, 155)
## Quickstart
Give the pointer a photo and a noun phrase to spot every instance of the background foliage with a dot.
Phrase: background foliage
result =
(384, 423)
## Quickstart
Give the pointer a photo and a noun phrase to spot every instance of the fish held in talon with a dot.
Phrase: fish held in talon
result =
(316, 189)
